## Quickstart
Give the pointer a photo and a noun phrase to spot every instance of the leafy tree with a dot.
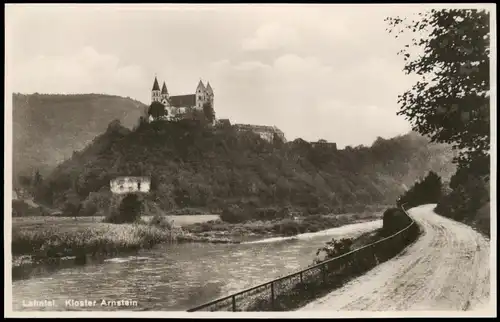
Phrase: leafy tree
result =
(209, 112)
(72, 206)
(37, 178)
(450, 103)
(129, 210)
(332, 249)
(157, 110)
(429, 190)
(25, 180)
(393, 220)
(234, 214)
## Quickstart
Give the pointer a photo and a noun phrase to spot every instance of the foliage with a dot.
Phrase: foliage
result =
(70, 121)
(22, 209)
(129, 210)
(193, 166)
(157, 110)
(234, 214)
(333, 248)
(451, 101)
(99, 239)
(394, 220)
(429, 190)
(72, 206)
(209, 112)
(289, 227)
(162, 222)
(276, 227)
(468, 201)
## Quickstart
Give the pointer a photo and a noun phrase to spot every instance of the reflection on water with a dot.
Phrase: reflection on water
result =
(176, 277)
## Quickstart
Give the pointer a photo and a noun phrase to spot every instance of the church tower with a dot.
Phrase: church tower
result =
(155, 92)
(200, 95)
(210, 94)
(164, 92)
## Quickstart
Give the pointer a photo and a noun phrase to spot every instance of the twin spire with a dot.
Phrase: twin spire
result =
(156, 87)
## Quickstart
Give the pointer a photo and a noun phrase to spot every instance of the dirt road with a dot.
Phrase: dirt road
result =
(447, 269)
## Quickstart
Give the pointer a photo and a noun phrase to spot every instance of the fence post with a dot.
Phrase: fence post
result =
(234, 303)
(324, 273)
(301, 281)
(272, 295)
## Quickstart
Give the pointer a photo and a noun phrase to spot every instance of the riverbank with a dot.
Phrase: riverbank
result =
(218, 230)
(50, 240)
(38, 243)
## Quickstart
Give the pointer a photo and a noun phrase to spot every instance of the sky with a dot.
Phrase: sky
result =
(316, 72)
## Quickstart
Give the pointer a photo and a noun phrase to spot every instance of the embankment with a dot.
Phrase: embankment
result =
(447, 269)
(295, 290)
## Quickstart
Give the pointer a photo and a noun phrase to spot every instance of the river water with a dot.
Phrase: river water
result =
(176, 277)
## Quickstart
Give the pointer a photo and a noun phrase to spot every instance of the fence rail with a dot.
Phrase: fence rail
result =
(290, 290)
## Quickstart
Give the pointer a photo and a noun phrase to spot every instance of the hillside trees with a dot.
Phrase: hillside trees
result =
(48, 128)
(196, 166)
(450, 52)
(428, 190)
(157, 110)
(209, 112)
(128, 211)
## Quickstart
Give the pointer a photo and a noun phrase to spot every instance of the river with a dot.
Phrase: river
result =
(176, 277)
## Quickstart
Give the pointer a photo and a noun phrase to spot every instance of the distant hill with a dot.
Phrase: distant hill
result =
(48, 128)
(192, 166)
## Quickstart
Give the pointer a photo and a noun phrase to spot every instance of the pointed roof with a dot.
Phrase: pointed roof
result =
(200, 85)
(156, 87)
(164, 89)
(209, 88)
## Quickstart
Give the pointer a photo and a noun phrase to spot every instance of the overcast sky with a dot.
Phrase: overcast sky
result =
(316, 72)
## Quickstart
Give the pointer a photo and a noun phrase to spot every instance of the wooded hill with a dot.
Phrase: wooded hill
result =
(47, 128)
(202, 167)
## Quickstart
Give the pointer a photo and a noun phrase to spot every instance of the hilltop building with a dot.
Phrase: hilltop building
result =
(267, 133)
(324, 144)
(180, 105)
(123, 185)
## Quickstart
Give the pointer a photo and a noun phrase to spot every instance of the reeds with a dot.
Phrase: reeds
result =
(97, 239)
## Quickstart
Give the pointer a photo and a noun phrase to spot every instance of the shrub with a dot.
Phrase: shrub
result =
(88, 208)
(333, 248)
(129, 211)
(289, 227)
(394, 219)
(234, 214)
(161, 222)
(272, 213)
(21, 208)
(72, 208)
(429, 190)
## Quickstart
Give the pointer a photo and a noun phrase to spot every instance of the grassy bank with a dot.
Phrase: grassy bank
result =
(46, 243)
(42, 239)
(258, 229)
(30, 221)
